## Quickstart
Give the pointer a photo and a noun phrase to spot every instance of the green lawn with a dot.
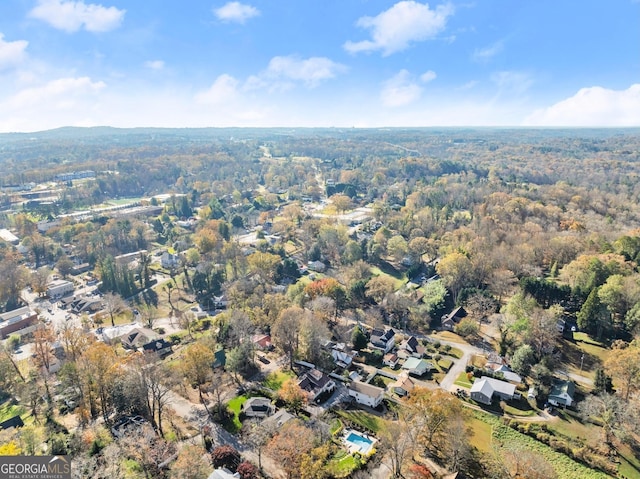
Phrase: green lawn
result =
(235, 405)
(520, 408)
(343, 464)
(275, 379)
(363, 419)
(463, 381)
(445, 364)
(481, 437)
(629, 464)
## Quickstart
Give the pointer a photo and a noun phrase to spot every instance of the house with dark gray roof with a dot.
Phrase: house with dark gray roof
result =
(258, 407)
(384, 340)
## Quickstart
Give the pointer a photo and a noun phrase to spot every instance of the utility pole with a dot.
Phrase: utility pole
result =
(581, 362)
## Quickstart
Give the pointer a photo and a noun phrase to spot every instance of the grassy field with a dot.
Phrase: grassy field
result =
(8, 410)
(448, 336)
(463, 381)
(578, 431)
(481, 437)
(363, 419)
(342, 464)
(235, 405)
(565, 467)
(445, 364)
(275, 379)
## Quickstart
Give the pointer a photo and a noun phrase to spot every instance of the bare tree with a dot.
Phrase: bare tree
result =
(113, 305)
(148, 314)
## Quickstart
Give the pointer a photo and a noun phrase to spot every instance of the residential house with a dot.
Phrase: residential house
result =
(508, 374)
(129, 257)
(279, 418)
(9, 237)
(384, 340)
(16, 320)
(15, 421)
(484, 389)
(317, 266)
(223, 473)
(160, 347)
(80, 268)
(59, 288)
(89, 305)
(366, 394)
(403, 386)
(258, 407)
(411, 347)
(315, 383)
(220, 359)
(342, 359)
(262, 342)
(137, 338)
(562, 393)
(450, 320)
(390, 359)
(168, 260)
(416, 366)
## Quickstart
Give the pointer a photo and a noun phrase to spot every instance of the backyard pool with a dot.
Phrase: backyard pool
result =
(357, 442)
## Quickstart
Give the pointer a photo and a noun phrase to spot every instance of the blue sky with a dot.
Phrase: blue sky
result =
(362, 63)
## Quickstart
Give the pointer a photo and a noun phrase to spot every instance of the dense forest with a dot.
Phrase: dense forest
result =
(526, 229)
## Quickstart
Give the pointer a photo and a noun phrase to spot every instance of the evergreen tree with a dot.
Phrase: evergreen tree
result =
(592, 315)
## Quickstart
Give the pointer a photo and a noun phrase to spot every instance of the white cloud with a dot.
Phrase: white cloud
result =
(11, 53)
(154, 64)
(512, 82)
(487, 53)
(236, 12)
(594, 106)
(469, 85)
(60, 93)
(223, 90)
(400, 90)
(428, 76)
(283, 72)
(395, 29)
(72, 16)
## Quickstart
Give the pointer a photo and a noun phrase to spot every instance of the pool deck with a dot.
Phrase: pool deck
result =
(354, 447)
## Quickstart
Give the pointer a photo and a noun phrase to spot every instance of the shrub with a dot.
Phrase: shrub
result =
(436, 344)
(225, 456)
(246, 470)
(175, 338)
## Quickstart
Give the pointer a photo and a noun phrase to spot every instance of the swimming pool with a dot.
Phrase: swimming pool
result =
(357, 442)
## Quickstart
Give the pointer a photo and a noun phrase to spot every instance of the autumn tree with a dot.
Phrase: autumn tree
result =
(40, 280)
(197, 364)
(292, 395)
(190, 464)
(290, 445)
(100, 368)
(623, 366)
(455, 269)
(379, 287)
(431, 413)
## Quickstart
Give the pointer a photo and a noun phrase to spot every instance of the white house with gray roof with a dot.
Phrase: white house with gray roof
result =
(484, 389)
